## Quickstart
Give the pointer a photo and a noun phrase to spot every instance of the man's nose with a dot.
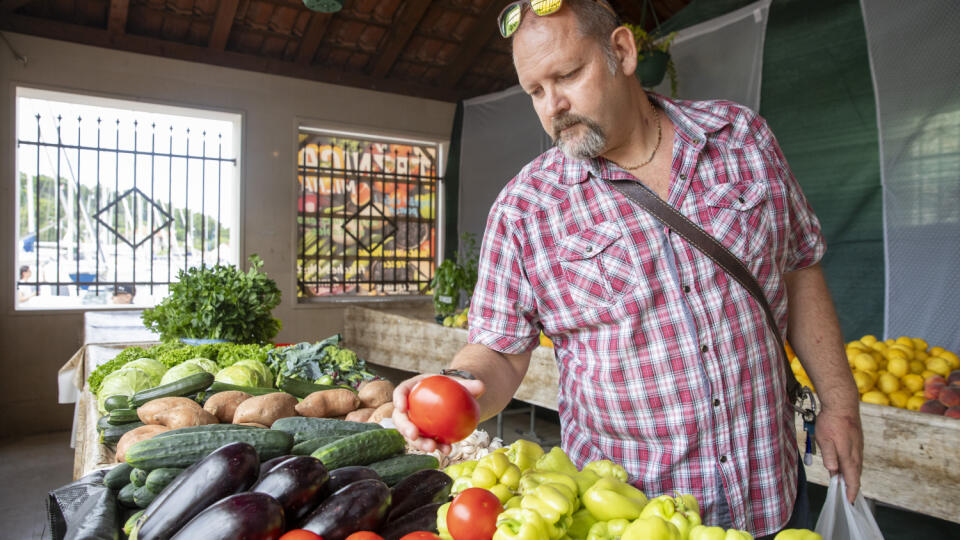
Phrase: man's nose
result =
(557, 103)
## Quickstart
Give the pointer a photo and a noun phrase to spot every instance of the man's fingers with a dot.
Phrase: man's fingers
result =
(829, 453)
(404, 425)
(475, 387)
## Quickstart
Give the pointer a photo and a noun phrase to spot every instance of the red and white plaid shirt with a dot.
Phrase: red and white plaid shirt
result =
(666, 365)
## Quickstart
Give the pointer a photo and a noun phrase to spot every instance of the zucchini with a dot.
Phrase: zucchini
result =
(104, 422)
(160, 478)
(359, 449)
(182, 387)
(185, 449)
(138, 477)
(125, 496)
(302, 389)
(118, 476)
(204, 429)
(118, 401)
(112, 434)
(142, 496)
(305, 428)
(131, 521)
(118, 417)
(395, 469)
(307, 447)
(218, 386)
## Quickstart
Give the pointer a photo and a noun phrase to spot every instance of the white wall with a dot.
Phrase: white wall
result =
(34, 345)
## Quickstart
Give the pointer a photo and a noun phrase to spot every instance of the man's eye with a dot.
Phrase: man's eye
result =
(569, 75)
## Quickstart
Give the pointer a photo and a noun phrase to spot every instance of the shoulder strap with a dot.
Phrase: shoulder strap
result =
(709, 246)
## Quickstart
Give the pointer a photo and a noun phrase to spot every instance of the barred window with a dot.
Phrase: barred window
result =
(366, 215)
(115, 197)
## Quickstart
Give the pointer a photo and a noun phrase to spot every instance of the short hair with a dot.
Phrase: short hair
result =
(595, 22)
(24, 269)
(125, 288)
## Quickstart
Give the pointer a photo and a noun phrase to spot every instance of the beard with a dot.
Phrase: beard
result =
(586, 146)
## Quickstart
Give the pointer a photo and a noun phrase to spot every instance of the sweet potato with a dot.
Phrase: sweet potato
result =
(329, 403)
(179, 417)
(224, 404)
(149, 410)
(141, 433)
(375, 393)
(266, 409)
(383, 411)
(360, 415)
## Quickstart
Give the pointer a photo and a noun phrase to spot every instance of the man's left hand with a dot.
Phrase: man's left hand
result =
(840, 438)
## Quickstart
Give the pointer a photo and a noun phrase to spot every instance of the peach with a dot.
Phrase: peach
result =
(954, 377)
(934, 379)
(950, 395)
(933, 406)
(952, 412)
(931, 390)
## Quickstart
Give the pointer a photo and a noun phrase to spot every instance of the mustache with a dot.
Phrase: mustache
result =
(560, 123)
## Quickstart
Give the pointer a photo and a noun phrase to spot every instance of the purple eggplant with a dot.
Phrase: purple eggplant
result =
(419, 519)
(418, 489)
(360, 506)
(340, 478)
(273, 462)
(298, 485)
(230, 469)
(244, 516)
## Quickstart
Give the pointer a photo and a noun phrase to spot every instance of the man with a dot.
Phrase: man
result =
(123, 293)
(24, 291)
(666, 365)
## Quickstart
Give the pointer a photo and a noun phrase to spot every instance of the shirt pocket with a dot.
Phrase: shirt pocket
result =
(738, 217)
(597, 267)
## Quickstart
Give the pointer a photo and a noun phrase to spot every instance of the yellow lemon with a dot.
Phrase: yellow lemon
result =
(864, 381)
(896, 353)
(889, 341)
(912, 382)
(879, 346)
(876, 397)
(858, 346)
(868, 339)
(938, 365)
(899, 398)
(926, 374)
(866, 362)
(920, 355)
(920, 393)
(911, 354)
(898, 366)
(935, 351)
(906, 341)
(915, 402)
(952, 359)
(919, 344)
(888, 383)
(917, 367)
(851, 354)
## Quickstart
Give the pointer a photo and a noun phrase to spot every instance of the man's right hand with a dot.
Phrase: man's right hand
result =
(406, 427)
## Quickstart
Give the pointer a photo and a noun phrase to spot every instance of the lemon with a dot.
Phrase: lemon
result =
(858, 346)
(868, 339)
(898, 366)
(926, 374)
(915, 402)
(919, 344)
(912, 382)
(888, 383)
(917, 367)
(896, 353)
(864, 381)
(899, 398)
(938, 365)
(952, 359)
(866, 362)
(920, 355)
(879, 346)
(876, 397)
(906, 341)
(936, 351)
(911, 354)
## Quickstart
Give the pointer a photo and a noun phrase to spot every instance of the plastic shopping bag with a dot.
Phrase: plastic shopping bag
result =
(840, 520)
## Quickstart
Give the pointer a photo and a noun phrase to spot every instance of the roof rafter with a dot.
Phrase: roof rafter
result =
(222, 23)
(313, 37)
(473, 44)
(413, 13)
(117, 18)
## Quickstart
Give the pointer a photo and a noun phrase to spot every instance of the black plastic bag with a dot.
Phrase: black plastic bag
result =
(85, 509)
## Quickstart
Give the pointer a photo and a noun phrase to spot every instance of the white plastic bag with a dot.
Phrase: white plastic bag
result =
(840, 520)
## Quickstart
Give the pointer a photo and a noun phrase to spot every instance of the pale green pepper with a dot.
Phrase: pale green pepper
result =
(702, 532)
(524, 454)
(580, 526)
(608, 530)
(651, 528)
(585, 479)
(520, 524)
(493, 472)
(554, 503)
(797, 534)
(457, 470)
(533, 478)
(605, 467)
(556, 461)
(610, 498)
(687, 502)
(513, 502)
(442, 530)
(665, 507)
(734, 534)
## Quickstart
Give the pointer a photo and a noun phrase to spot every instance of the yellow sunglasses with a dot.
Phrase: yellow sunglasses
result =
(509, 19)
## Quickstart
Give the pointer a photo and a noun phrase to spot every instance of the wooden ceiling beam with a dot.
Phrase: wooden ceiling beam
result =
(313, 37)
(631, 11)
(159, 47)
(222, 23)
(11, 5)
(117, 18)
(481, 32)
(413, 13)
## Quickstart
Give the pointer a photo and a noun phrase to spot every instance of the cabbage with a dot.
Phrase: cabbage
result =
(152, 367)
(239, 375)
(180, 371)
(261, 369)
(207, 365)
(126, 381)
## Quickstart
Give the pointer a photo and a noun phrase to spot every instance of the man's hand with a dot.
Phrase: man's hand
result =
(840, 438)
(406, 427)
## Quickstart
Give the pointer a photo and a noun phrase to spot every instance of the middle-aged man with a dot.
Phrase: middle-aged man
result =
(666, 365)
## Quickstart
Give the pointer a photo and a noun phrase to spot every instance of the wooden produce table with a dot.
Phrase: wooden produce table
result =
(911, 459)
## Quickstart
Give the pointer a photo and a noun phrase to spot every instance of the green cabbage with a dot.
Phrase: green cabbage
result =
(205, 364)
(261, 369)
(239, 375)
(152, 367)
(181, 371)
(126, 381)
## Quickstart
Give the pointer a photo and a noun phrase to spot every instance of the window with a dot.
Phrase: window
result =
(366, 215)
(115, 197)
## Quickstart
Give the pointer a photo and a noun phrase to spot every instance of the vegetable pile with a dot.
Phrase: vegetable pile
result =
(324, 362)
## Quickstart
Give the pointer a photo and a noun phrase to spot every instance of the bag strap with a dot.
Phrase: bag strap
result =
(709, 246)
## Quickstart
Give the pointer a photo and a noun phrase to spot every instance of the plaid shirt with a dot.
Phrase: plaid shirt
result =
(666, 365)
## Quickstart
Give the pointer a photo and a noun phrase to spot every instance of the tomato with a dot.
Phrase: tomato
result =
(420, 535)
(443, 409)
(364, 535)
(473, 515)
(300, 534)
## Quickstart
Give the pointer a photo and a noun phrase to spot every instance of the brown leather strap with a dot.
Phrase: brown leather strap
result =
(709, 246)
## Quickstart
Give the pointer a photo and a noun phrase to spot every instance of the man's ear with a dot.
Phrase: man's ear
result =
(624, 50)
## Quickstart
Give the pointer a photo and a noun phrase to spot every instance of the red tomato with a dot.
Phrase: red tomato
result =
(473, 515)
(442, 409)
(420, 535)
(300, 534)
(364, 535)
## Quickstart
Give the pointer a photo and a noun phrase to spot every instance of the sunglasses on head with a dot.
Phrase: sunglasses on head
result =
(509, 19)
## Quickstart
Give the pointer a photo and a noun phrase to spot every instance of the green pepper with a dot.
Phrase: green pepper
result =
(442, 522)
(687, 502)
(556, 461)
(585, 479)
(734, 534)
(702, 532)
(533, 478)
(458, 470)
(513, 502)
(665, 507)
(608, 530)
(605, 467)
(610, 498)
(580, 526)
(651, 528)
(524, 454)
(797, 534)
(520, 524)
(554, 503)
(495, 472)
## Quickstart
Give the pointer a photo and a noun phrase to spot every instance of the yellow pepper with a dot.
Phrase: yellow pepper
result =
(608, 530)
(610, 498)
(493, 472)
(734, 534)
(556, 461)
(554, 503)
(580, 526)
(524, 454)
(444, 533)
(520, 524)
(702, 532)
(797, 534)
(651, 528)
(605, 467)
(665, 507)
(533, 478)
(585, 479)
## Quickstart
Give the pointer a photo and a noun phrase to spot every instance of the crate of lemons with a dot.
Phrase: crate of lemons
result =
(892, 372)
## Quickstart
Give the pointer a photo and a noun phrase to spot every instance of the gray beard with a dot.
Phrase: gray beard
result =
(587, 146)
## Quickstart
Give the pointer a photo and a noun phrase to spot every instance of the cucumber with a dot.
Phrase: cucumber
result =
(182, 387)
(359, 449)
(302, 389)
(118, 417)
(138, 477)
(131, 521)
(118, 476)
(307, 447)
(142, 496)
(125, 496)
(204, 429)
(218, 386)
(185, 449)
(112, 434)
(159, 478)
(395, 469)
(304, 428)
(104, 422)
(118, 401)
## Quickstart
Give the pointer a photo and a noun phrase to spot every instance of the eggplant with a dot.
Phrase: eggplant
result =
(273, 462)
(230, 469)
(250, 516)
(298, 485)
(359, 506)
(418, 489)
(340, 478)
(418, 519)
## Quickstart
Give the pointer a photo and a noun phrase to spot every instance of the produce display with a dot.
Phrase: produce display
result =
(905, 372)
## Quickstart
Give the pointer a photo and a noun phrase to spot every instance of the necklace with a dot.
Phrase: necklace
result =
(656, 114)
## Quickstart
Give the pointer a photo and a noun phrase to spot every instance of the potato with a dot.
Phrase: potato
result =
(266, 409)
(224, 404)
(141, 433)
(149, 410)
(383, 411)
(375, 393)
(329, 403)
(360, 415)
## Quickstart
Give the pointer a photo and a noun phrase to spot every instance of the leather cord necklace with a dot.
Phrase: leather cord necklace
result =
(656, 114)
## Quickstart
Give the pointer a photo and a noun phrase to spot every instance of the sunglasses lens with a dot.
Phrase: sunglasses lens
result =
(510, 20)
(545, 7)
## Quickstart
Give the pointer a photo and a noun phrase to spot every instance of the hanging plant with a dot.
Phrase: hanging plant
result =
(653, 58)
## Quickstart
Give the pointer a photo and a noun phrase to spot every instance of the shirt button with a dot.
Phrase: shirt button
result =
(716, 402)
(686, 288)
(683, 177)
(723, 459)
(704, 348)
(696, 141)
(589, 249)
(740, 199)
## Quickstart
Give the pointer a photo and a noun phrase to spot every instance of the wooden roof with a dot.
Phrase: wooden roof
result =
(445, 50)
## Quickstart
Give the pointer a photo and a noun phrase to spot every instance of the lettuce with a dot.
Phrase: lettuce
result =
(260, 369)
(179, 372)
(239, 375)
(126, 381)
(152, 367)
